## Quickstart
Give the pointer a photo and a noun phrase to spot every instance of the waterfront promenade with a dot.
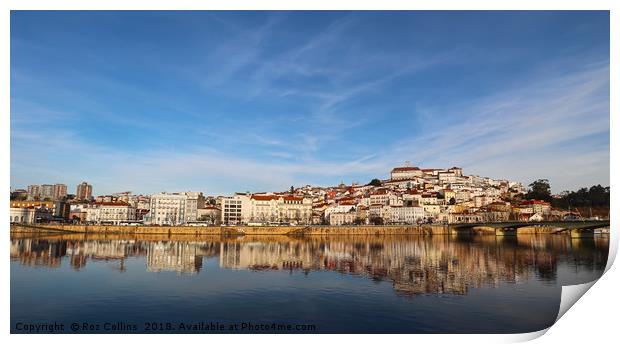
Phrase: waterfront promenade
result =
(573, 228)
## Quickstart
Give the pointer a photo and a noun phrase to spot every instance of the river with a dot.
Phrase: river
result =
(311, 284)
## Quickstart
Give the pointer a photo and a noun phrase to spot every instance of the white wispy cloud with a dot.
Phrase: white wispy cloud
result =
(520, 134)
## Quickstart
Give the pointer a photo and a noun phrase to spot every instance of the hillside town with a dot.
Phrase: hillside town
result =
(410, 196)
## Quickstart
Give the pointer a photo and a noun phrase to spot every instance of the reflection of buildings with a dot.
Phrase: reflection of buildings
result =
(184, 257)
(101, 249)
(38, 253)
(414, 265)
(268, 255)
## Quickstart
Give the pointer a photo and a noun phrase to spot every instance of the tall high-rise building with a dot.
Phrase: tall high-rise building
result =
(84, 191)
(34, 192)
(60, 191)
(47, 192)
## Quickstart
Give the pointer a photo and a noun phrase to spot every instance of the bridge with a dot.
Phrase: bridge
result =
(574, 228)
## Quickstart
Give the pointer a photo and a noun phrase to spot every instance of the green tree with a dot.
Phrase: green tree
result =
(375, 182)
(539, 189)
(598, 195)
(595, 196)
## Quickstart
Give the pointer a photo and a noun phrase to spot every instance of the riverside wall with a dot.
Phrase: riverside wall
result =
(237, 230)
(274, 230)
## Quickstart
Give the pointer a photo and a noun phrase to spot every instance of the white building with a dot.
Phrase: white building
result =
(431, 210)
(404, 183)
(236, 210)
(242, 209)
(264, 208)
(380, 197)
(210, 214)
(278, 208)
(31, 212)
(339, 219)
(379, 211)
(194, 201)
(110, 212)
(481, 201)
(338, 208)
(294, 209)
(405, 215)
(429, 199)
(464, 218)
(22, 215)
(175, 208)
(405, 173)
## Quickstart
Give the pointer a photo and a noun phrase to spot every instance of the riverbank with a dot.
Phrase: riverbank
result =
(237, 230)
(273, 230)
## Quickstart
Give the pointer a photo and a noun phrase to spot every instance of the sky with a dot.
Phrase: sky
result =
(224, 102)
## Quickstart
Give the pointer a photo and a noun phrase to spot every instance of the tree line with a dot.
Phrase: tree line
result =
(594, 196)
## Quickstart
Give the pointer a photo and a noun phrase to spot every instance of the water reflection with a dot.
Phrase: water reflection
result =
(414, 264)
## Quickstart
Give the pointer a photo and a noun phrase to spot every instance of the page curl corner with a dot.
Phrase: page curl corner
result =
(570, 295)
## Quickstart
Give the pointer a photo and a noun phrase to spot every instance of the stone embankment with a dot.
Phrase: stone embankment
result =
(272, 230)
(237, 230)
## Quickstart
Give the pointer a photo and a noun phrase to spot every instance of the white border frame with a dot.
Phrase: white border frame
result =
(594, 318)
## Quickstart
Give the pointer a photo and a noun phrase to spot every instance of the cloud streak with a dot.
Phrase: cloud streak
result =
(519, 134)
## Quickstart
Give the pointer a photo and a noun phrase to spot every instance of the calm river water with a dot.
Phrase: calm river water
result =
(341, 284)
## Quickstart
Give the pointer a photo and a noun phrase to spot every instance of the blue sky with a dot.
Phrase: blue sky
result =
(255, 101)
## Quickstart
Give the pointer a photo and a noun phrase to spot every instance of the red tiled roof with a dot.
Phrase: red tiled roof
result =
(264, 197)
(533, 201)
(404, 169)
(344, 199)
(293, 198)
(112, 203)
(347, 203)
